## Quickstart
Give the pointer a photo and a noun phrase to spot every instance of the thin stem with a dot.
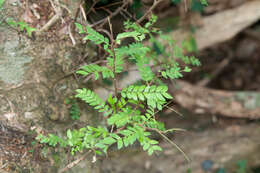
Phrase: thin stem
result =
(74, 163)
(110, 27)
(114, 70)
(113, 44)
(109, 5)
(112, 129)
(164, 106)
(91, 8)
(105, 20)
(171, 142)
(155, 3)
(174, 110)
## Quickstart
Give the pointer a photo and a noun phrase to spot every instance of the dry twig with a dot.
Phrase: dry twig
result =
(105, 20)
(155, 3)
(54, 19)
(74, 163)
(221, 66)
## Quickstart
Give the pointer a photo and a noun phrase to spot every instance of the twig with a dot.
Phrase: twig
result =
(130, 15)
(111, 29)
(92, 6)
(51, 22)
(185, 6)
(175, 129)
(78, 10)
(65, 7)
(109, 5)
(106, 32)
(105, 20)
(83, 12)
(54, 19)
(10, 103)
(114, 56)
(122, 13)
(164, 106)
(171, 142)
(73, 73)
(155, 3)
(71, 36)
(2, 167)
(74, 163)
(174, 110)
(107, 10)
(223, 64)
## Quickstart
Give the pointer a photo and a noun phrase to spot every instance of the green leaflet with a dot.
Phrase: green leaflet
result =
(133, 26)
(187, 69)
(119, 61)
(108, 141)
(23, 26)
(176, 1)
(95, 36)
(177, 51)
(204, 2)
(52, 140)
(136, 35)
(198, 5)
(69, 134)
(119, 144)
(120, 119)
(190, 44)
(132, 50)
(93, 100)
(1, 3)
(137, 52)
(96, 69)
(155, 95)
(172, 73)
(145, 72)
(152, 20)
(80, 28)
(154, 148)
(74, 111)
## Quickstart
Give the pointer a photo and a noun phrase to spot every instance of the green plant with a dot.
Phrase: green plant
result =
(241, 167)
(1, 3)
(129, 112)
(74, 109)
(1, 11)
(241, 164)
(23, 26)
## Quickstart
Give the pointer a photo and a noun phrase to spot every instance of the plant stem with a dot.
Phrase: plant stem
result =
(155, 3)
(113, 45)
(104, 21)
(171, 142)
(75, 162)
(114, 70)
